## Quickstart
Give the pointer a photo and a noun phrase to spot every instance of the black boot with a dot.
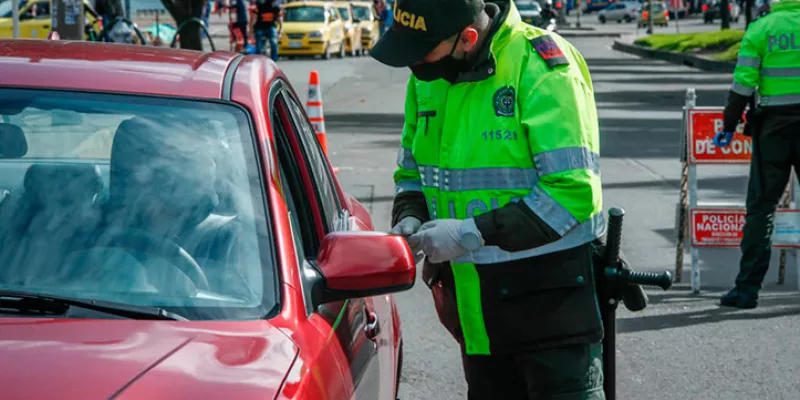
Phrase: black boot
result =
(740, 299)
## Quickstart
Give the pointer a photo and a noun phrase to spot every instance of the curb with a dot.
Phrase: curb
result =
(579, 34)
(688, 60)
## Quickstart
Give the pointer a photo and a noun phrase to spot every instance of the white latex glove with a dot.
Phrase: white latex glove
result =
(407, 226)
(440, 239)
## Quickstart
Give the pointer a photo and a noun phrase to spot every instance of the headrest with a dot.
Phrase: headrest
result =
(166, 162)
(12, 141)
(63, 184)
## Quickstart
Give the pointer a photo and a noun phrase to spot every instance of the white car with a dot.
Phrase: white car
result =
(619, 11)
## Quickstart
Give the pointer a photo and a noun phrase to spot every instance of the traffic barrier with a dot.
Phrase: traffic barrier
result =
(720, 224)
(314, 110)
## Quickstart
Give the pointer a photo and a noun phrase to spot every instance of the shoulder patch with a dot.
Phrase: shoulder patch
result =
(549, 51)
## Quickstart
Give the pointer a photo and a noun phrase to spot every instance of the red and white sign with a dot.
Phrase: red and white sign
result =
(675, 4)
(703, 125)
(724, 227)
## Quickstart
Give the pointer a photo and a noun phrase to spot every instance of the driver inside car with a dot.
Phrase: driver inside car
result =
(159, 232)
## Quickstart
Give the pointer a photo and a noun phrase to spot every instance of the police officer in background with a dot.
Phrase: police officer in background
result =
(498, 184)
(769, 63)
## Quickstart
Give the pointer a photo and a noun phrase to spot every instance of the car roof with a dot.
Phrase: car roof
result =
(94, 66)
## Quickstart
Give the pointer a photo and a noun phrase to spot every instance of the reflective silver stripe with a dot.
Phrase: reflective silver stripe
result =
(569, 158)
(456, 180)
(550, 211)
(582, 233)
(408, 186)
(745, 61)
(781, 72)
(780, 100)
(405, 159)
(742, 89)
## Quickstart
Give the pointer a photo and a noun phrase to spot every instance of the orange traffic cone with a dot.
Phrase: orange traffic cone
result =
(314, 110)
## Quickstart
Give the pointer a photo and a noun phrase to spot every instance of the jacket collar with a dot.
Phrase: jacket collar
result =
(505, 16)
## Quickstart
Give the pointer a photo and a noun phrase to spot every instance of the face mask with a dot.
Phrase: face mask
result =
(446, 68)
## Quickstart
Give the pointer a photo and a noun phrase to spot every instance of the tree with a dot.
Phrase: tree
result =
(724, 12)
(182, 11)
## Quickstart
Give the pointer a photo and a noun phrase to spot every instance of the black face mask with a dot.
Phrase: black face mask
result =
(446, 68)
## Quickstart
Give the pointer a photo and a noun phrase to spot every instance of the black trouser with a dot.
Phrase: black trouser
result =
(561, 371)
(572, 372)
(778, 151)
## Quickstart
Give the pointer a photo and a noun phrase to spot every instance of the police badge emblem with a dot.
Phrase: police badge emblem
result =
(504, 99)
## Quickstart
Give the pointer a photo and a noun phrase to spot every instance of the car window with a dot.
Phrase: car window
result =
(317, 163)
(137, 200)
(304, 14)
(362, 13)
(345, 13)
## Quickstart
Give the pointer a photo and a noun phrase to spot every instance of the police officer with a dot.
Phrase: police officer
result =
(769, 63)
(498, 184)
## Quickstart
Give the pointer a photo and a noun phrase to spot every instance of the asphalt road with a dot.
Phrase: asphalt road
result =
(681, 347)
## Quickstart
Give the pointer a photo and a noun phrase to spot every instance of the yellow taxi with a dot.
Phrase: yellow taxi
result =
(34, 19)
(368, 22)
(352, 30)
(311, 28)
(660, 15)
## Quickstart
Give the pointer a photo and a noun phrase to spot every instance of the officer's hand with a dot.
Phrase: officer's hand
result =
(439, 239)
(407, 226)
(723, 139)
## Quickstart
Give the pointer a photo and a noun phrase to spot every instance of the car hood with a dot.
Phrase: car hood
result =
(95, 359)
(303, 27)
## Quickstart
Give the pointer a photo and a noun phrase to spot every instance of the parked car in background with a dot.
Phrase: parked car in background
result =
(660, 15)
(352, 30)
(532, 13)
(35, 19)
(312, 28)
(368, 23)
(623, 11)
(712, 11)
(596, 5)
(171, 228)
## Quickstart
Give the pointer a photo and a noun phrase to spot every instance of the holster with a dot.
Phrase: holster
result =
(439, 278)
(754, 121)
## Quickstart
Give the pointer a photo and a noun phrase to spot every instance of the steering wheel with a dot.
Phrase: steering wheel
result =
(135, 239)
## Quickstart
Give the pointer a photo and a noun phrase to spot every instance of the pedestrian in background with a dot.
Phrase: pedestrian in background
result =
(769, 65)
(265, 23)
(498, 184)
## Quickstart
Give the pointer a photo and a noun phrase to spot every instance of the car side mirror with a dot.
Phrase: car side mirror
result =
(363, 264)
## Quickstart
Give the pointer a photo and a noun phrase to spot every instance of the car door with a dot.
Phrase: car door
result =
(351, 321)
(35, 20)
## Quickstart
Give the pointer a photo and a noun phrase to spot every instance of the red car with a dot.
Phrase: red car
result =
(171, 228)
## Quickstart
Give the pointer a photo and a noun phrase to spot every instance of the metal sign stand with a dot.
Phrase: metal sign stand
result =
(688, 202)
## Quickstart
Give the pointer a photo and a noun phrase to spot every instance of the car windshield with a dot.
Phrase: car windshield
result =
(361, 13)
(304, 14)
(137, 200)
(528, 6)
(345, 13)
(5, 8)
